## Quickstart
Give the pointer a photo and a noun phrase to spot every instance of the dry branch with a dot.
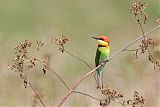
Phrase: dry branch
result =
(37, 94)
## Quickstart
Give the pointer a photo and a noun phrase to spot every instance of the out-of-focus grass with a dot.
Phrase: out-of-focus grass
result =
(41, 19)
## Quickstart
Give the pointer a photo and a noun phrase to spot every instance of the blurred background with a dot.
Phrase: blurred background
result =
(33, 20)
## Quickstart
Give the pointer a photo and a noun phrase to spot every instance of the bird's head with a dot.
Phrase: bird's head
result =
(102, 40)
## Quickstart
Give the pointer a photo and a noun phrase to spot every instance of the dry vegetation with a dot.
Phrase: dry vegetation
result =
(24, 62)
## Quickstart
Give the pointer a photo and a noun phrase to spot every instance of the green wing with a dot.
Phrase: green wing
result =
(97, 57)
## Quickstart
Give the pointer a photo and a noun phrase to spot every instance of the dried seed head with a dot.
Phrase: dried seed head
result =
(112, 94)
(46, 63)
(22, 61)
(157, 65)
(61, 41)
(137, 100)
(39, 45)
(105, 103)
(147, 42)
(137, 9)
(25, 83)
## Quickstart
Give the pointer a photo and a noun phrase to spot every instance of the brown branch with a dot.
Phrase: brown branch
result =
(36, 94)
(78, 58)
(132, 49)
(117, 53)
(98, 99)
(152, 59)
(151, 55)
(141, 28)
(60, 78)
(88, 95)
(76, 85)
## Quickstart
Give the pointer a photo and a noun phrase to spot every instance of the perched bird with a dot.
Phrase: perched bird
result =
(102, 54)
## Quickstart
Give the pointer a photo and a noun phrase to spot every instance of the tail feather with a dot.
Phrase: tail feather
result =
(100, 79)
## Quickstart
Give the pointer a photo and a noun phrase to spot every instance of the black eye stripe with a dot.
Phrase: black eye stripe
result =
(100, 38)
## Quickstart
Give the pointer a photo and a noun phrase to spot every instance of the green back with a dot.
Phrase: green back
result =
(97, 57)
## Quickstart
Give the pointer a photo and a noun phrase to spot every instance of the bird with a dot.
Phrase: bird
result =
(102, 54)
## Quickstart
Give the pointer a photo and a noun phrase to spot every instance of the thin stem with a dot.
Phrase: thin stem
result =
(78, 58)
(122, 103)
(88, 95)
(141, 28)
(152, 59)
(150, 55)
(52, 71)
(83, 62)
(132, 49)
(60, 78)
(37, 94)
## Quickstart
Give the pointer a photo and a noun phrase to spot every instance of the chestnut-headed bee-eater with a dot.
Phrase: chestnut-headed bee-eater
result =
(102, 54)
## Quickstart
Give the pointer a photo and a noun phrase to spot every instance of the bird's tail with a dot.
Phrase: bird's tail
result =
(99, 76)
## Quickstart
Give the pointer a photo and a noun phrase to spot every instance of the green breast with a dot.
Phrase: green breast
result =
(102, 54)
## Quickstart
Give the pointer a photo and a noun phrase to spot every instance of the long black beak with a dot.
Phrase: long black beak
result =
(95, 38)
